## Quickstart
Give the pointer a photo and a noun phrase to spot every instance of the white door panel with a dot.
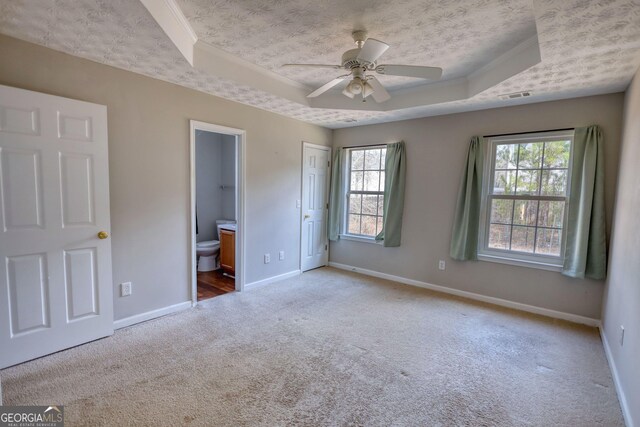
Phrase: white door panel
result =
(76, 186)
(28, 296)
(55, 274)
(81, 284)
(315, 196)
(21, 188)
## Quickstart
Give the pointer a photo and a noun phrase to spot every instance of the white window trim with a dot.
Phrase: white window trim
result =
(345, 194)
(539, 261)
(361, 239)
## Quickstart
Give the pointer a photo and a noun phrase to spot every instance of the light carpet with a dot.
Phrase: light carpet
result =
(331, 348)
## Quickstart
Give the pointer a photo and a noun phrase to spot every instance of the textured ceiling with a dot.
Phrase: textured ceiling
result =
(587, 46)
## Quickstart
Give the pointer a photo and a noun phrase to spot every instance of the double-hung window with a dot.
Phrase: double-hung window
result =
(525, 199)
(364, 191)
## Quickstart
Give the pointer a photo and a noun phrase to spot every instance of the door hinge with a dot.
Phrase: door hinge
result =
(328, 163)
(327, 205)
(326, 247)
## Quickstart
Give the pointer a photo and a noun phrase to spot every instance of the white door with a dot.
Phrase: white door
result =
(315, 198)
(55, 273)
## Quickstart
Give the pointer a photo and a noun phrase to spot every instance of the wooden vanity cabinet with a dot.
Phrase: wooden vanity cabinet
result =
(228, 251)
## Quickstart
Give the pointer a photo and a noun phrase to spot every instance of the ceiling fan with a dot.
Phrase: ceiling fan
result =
(363, 59)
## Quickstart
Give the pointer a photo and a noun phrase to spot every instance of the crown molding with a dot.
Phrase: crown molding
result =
(169, 16)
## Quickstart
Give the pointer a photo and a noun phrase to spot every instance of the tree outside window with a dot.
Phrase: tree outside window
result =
(365, 192)
(526, 202)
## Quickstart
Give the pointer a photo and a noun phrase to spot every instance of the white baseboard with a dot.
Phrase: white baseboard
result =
(273, 279)
(478, 297)
(626, 413)
(143, 317)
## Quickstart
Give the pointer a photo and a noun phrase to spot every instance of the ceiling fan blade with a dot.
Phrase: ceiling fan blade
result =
(430, 73)
(380, 94)
(337, 67)
(322, 89)
(372, 49)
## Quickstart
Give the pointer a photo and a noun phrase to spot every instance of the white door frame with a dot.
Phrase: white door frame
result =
(328, 149)
(240, 201)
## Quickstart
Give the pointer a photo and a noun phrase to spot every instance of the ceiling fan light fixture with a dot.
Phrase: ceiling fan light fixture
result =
(347, 93)
(355, 87)
(367, 89)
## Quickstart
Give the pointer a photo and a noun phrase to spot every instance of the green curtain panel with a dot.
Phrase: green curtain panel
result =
(585, 253)
(395, 170)
(464, 239)
(336, 197)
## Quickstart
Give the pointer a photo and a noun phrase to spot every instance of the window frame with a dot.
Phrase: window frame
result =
(346, 192)
(541, 261)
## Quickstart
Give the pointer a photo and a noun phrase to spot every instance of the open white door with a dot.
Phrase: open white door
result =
(315, 197)
(55, 270)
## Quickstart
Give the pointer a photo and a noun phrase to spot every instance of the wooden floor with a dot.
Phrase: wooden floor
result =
(214, 283)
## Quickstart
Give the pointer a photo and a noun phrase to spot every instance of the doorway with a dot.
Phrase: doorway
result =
(217, 210)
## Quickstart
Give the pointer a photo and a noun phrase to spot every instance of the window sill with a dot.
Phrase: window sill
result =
(520, 262)
(360, 239)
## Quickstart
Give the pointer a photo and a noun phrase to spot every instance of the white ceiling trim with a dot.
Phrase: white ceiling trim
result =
(518, 59)
(222, 64)
(210, 59)
(169, 16)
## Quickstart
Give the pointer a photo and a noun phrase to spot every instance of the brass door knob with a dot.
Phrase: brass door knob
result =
(307, 216)
(103, 235)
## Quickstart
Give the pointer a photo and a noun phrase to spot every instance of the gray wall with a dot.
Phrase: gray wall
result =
(622, 294)
(208, 182)
(228, 176)
(149, 169)
(436, 148)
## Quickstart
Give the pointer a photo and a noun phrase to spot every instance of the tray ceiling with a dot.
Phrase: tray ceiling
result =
(438, 33)
(586, 47)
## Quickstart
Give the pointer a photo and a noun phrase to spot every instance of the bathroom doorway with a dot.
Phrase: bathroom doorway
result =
(217, 210)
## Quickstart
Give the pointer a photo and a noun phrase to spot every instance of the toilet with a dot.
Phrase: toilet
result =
(208, 251)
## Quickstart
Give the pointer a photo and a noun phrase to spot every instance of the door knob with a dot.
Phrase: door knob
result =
(103, 235)
(307, 216)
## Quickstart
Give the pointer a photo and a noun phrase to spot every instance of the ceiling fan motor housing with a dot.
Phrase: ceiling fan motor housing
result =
(350, 59)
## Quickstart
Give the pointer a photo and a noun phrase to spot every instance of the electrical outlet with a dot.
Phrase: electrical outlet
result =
(125, 289)
(621, 335)
(281, 256)
(267, 258)
(441, 265)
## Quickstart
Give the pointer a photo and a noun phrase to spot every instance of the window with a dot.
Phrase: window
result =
(365, 191)
(525, 199)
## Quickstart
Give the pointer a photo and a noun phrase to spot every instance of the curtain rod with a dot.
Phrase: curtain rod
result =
(365, 146)
(524, 133)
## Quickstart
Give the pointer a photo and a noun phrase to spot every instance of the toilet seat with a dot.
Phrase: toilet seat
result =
(208, 244)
